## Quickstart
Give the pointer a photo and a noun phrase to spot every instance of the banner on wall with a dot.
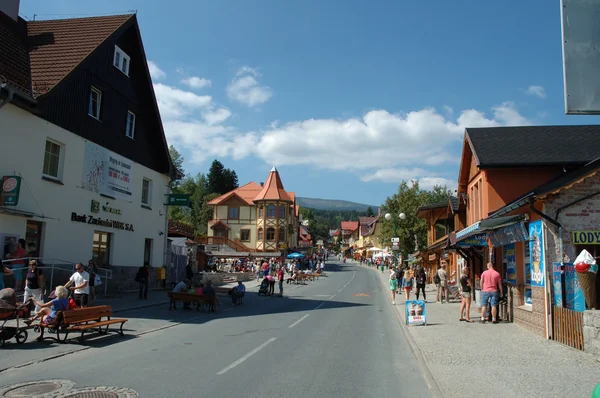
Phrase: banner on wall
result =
(536, 248)
(575, 298)
(510, 257)
(106, 172)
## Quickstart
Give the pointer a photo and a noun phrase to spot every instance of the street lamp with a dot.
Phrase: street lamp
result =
(388, 217)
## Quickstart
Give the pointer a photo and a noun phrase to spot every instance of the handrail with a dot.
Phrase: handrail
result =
(222, 240)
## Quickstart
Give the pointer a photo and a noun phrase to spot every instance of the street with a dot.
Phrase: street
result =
(337, 336)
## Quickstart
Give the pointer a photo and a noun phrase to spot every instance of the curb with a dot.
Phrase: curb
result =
(432, 384)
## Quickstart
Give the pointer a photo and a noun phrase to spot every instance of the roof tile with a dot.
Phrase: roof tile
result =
(14, 57)
(273, 189)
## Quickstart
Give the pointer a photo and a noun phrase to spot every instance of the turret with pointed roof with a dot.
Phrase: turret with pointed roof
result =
(273, 189)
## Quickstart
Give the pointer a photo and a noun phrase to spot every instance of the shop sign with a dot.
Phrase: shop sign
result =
(510, 257)
(575, 298)
(11, 187)
(585, 237)
(509, 234)
(537, 252)
(89, 219)
(178, 199)
(475, 240)
(432, 257)
(416, 313)
(107, 173)
(95, 208)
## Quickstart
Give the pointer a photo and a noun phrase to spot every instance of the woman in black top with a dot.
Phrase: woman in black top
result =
(421, 278)
(34, 285)
(465, 306)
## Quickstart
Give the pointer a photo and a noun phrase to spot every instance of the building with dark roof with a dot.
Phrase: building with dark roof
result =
(83, 142)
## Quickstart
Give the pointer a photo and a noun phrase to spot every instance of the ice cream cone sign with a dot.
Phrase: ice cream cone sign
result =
(587, 269)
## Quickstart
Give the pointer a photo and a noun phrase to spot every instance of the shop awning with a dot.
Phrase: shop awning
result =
(246, 254)
(476, 234)
(16, 212)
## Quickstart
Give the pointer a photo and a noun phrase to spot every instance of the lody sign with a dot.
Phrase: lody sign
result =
(11, 187)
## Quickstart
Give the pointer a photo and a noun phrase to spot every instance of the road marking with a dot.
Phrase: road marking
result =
(299, 320)
(248, 355)
(319, 306)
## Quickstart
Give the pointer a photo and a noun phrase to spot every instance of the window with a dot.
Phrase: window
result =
(270, 234)
(148, 251)
(130, 127)
(282, 211)
(146, 191)
(121, 60)
(234, 213)
(281, 237)
(260, 234)
(101, 247)
(52, 159)
(271, 211)
(244, 235)
(95, 103)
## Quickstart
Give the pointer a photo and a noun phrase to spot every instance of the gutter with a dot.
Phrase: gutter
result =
(11, 95)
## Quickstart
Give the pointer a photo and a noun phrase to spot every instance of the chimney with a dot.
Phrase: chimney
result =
(262, 184)
(10, 8)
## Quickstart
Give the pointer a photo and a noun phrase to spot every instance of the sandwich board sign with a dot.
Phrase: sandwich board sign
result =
(416, 314)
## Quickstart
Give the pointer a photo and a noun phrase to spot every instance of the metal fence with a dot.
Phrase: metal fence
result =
(56, 271)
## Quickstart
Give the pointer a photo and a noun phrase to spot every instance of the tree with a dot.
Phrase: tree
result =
(221, 180)
(177, 160)
(230, 180)
(370, 212)
(407, 200)
(206, 213)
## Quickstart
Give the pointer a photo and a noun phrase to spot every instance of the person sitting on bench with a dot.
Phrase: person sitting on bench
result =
(238, 292)
(183, 287)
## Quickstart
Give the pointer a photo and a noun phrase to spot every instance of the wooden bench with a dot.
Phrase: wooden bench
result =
(227, 290)
(82, 320)
(197, 299)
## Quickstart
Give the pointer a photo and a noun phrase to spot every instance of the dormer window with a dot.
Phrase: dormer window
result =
(121, 60)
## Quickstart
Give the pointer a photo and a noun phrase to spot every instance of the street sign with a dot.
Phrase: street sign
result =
(11, 187)
(395, 247)
(395, 240)
(178, 199)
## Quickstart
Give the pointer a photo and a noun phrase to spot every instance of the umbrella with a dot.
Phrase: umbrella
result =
(295, 255)
(374, 249)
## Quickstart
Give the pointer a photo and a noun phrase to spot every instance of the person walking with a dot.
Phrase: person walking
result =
(443, 285)
(491, 286)
(93, 271)
(407, 283)
(35, 284)
(420, 278)
(81, 289)
(280, 277)
(465, 306)
(141, 278)
(393, 286)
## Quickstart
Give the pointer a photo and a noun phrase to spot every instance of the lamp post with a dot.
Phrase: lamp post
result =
(401, 216)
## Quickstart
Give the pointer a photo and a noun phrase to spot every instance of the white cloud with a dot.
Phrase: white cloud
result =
(175, 103)
(216, 116)
(536, 91)
(245, 88)
(430, 182)
(196, 82)
(155, 72)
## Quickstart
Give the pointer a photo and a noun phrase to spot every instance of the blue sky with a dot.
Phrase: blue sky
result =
(345, 101)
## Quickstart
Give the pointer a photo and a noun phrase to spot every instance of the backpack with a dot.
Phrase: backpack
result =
(436, 279)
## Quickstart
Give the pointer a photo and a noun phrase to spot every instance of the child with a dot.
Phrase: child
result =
(393, 286)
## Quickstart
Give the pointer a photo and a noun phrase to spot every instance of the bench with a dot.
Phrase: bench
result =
(227, 290)
(82, 320)
(197, 299)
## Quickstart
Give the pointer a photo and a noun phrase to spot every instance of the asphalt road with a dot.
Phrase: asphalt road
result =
(337, 336)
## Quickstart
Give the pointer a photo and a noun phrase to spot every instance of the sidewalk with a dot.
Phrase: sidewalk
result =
(495, 360)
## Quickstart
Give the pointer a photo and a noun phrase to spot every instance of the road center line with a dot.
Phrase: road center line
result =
(248, 355)
(299, 320)
(320, 305)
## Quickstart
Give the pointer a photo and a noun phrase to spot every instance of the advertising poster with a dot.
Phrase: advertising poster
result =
(107, 173)
(510, 257)
(575, 298)
(416, 313)
(536, 249)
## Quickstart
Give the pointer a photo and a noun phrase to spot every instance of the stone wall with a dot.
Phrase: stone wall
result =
(534, 319)
(591, 333)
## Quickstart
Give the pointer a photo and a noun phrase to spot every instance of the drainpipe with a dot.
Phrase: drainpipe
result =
(11, 94)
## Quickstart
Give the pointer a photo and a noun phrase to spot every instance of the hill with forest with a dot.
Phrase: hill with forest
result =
(331, 204)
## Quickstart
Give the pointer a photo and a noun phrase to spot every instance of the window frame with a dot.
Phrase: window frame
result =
(260, 234)
(59, 166)
(282, 212)
(130, 133)
(279, 233)
(123, 57)
(107, 246)
(149, 192)
(98, 102)
(150, 249)
(242, 232)
(237, 215)
(272, 230)
(269, 208)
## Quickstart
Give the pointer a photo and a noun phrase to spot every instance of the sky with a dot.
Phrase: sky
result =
(346, 98)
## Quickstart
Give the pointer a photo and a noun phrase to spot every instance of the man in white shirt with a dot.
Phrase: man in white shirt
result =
(81, 289)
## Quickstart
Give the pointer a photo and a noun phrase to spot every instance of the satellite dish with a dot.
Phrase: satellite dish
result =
(3, 81)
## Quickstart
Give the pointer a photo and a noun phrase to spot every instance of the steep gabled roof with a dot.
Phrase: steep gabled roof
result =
(59, 46)
(534, 145)
(273, 189)
(246, 193)
(364, 223)
(349, 225)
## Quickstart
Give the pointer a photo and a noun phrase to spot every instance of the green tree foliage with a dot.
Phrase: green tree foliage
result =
(321, 221)
(221, 180)
(407, 200)
(370, 212)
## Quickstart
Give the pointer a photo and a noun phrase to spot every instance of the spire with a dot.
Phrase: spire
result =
(273, 188)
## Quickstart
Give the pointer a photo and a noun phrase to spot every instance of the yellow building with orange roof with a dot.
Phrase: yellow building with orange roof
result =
(261, 217)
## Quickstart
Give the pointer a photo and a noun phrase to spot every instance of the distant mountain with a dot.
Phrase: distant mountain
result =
(330, 204)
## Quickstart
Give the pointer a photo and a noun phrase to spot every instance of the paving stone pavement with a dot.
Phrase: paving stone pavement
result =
(495, 360)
